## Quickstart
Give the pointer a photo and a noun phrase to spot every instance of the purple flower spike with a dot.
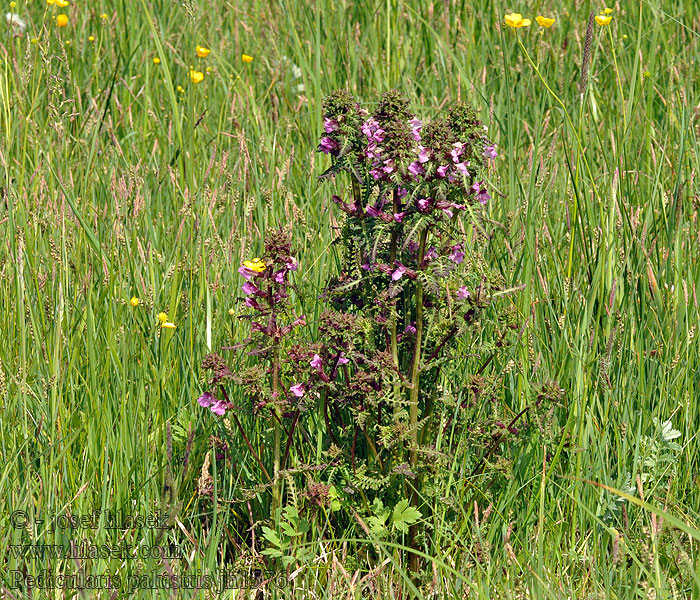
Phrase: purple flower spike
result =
(328, 145)
(316, 362)
(206, 399)
(298, 390)
(330, 125)
(463, 293)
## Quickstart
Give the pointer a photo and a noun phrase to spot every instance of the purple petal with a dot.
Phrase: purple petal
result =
(249, 288)
(247, 273)
(330, 125)
(219, 408)
(457, 256)
(206, 399)
(463, 293)
(316, 362)
(298, 390)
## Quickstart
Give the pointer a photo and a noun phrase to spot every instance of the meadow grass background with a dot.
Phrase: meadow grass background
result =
(116, 184)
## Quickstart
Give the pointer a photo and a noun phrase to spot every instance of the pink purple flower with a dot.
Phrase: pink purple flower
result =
(298, 390)
(206, 399)
(490, 152)
(328, 145)
(423, 154)
(415, 168)
(457, 256)
(219, 408)
(330, 125)
(342, 360)
(246, 272)
(249, 288)
(400, 270)
(316, 362)
(423, 204)
(442, 170)
(398, 217)
(410, 328)
(416, 126)
(457, 151)
(463, 293)
(462, 168)
(482, 194)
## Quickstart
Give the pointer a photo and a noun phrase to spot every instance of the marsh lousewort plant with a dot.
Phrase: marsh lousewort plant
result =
(408, 299)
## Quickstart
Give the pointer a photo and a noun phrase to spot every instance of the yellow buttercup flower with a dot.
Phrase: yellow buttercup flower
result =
(91, 38)
(13, 5)
(134, 301)
(156, 60)
(603, 20)
(202, 52)
(607, 11)
(61, 3)
(162, 317)
(180, 89)
(50, 2)
(168, 325)
(104, 16)
(257, 265)
(545, 21)
(246, 59)
(62, 20)
(196, 76)
(515, 20)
